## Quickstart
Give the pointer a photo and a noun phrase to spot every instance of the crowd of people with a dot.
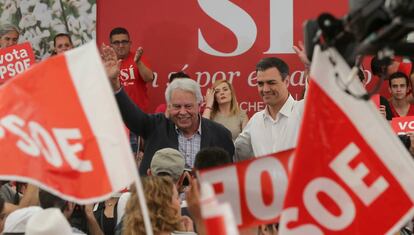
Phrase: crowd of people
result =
(190, 131)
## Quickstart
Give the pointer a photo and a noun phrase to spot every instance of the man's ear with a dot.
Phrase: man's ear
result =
(167, 109)
(287, 78)
(149, 173)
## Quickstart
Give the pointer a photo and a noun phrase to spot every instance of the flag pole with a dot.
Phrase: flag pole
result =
(142, 201)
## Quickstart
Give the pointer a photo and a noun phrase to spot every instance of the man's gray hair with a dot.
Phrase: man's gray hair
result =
(185, 84)
(6, 28)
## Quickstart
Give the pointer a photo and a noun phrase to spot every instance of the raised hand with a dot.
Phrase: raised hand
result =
(138, 54)
(209, 97)
(301, 53)
(111, 64)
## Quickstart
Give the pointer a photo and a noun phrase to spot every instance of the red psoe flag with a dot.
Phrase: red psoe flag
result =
(255, 189)
(218, 218)
(60, 128)
(351, 174)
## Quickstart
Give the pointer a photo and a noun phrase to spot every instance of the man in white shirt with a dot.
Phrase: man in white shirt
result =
(276, 127)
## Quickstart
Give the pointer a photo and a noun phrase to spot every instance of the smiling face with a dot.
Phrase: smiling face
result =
(183, 110)
(222, 93)
(272, 88)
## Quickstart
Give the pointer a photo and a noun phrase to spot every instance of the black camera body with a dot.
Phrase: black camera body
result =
(371, 26)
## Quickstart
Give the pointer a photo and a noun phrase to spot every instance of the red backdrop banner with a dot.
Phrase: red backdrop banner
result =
(213, 40)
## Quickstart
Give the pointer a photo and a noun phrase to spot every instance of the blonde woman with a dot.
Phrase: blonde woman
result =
(164, 209)
(222, 107)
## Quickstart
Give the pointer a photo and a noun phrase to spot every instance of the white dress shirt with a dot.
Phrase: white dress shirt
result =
(264, 135)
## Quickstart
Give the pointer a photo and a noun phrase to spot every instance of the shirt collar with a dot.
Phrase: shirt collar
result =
(286, 109)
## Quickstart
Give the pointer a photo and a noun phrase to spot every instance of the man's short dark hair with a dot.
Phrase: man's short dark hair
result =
(62, 35)
(118, 30)
(379, 66)
(399, 75)
(273, 62)
(179, 74)
(211, 157)
(48, 200)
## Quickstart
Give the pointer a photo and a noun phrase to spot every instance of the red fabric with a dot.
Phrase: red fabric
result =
(133, 83)
(161, 108)
(405, 68)
(215, 225)
(69, 164)
(15, 60)
(319, 134)
(236, 182)
(395, 113)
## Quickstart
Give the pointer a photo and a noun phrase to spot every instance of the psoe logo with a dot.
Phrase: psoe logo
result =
(244, 27)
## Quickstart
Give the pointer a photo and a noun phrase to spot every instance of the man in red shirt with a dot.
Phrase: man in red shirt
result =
(399, 88)
(134, 74)
(387, 66)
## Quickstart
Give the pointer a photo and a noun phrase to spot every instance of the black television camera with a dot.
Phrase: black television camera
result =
(371, 27)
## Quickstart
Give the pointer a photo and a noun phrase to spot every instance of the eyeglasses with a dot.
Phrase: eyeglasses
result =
(118, 43)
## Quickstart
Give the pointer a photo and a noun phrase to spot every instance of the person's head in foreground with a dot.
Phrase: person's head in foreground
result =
(163, 204)
(9, 35)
